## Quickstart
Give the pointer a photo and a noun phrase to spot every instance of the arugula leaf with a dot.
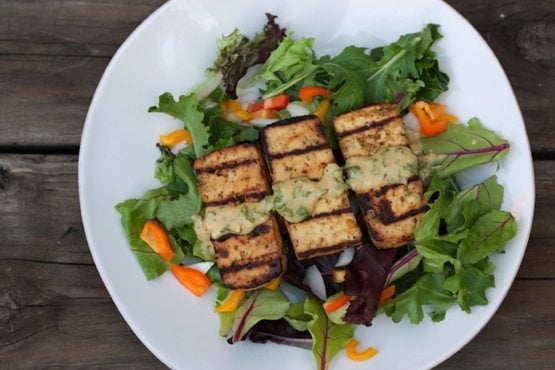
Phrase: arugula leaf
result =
(328, 338)
(262, 304)
(406, 68)
(175, 213)
(134, 214)
(237, 53)
(187, 110)
(462, 147)
(347, 73)
(289, 64)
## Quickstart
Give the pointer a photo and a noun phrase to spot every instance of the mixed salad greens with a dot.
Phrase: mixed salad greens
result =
(281, 75)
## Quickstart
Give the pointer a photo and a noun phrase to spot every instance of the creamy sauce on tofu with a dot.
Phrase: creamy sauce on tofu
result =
(295, 199)
(391, 165)
(241, 219)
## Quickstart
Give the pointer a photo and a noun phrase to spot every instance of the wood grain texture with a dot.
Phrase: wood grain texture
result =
(51, 296)
(33, 32)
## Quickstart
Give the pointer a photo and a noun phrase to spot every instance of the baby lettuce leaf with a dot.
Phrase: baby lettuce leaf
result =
(163, 171)
(134, 214)
(364, 281)
(236, 53)
(187, 110)
(289, 64)
(328, 338)
(226, 318)
(260, 305)
(462, 147)
(407, 68)
(280, 332)
(176, 213)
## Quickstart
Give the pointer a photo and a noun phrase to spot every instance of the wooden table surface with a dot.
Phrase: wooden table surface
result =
(54, 309)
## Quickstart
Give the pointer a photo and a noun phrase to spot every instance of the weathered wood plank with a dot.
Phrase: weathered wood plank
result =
(31, 32)
(69, 27)
(44, 100)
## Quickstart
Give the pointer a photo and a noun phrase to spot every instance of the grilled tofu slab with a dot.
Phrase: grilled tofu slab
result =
(232, 177)
(383, 172)
(251, 260)
(298, 147)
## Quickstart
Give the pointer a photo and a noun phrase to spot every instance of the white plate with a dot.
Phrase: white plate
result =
(169, 52)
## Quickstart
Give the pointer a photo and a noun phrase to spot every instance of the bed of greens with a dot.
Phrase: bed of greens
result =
(277, 74)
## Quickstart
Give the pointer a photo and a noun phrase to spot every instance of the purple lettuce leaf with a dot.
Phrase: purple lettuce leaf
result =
(364, 280)
(280, 332)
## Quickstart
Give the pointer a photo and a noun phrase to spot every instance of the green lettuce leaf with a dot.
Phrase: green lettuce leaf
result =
(328, 338)
(134, 214)
(262, 304)
(163, 170)
(187, 110)
(226, 318)
(176, 213)
(455, 238)
(462, 147)
(289, 64)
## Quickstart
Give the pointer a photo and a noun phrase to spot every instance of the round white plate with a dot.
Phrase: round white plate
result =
(169, 52)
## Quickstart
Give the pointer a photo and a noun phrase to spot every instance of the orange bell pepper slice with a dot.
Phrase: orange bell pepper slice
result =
(238, 110)
(231, 302)
(154, 235)
(387, 294)
(264, 113)
(173, 138)
(322, 109)
(307, 93)
(355, 355)
(275, 102)
(431, 117)
(273, 284)
(194, 280)
(336, 303)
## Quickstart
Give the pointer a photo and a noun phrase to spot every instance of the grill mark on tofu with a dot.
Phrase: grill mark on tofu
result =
(293, 120)
(383, 190)
(239, 198)
(336, 212)
(387, 216)
(251, 264)
(299, 151)
(226, 166)
(315, 252)
(257, 231)
(367, 126)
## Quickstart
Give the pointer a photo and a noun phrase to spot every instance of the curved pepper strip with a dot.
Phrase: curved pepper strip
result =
(355, 355)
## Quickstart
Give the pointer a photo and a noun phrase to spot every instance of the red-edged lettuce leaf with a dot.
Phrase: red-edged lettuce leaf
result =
(364, 280)
(260, 305)
(462, 147)
(328, 338)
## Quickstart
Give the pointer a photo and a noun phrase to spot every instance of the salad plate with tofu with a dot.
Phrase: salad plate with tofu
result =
(332, 202)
